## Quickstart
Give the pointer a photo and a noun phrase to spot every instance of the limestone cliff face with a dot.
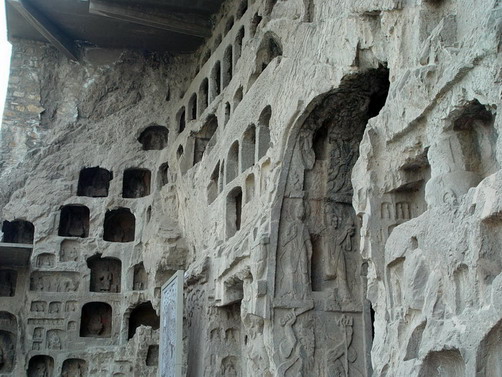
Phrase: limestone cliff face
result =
(326, 172)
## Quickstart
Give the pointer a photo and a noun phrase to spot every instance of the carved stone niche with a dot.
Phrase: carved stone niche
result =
(136, 183)
(205, 138)
(18, 231)
(154, 137)
(74, 368)
(41, 366)
(140, 278)
(105, 274)
(54, 281)
(8, 281)
(152, 356)
(46, 260)
(54, 339)
(96, 320)
(119, 226)
(489, 353)
(74, 221)
(94, 182)
(143, 315)
(445, 363)
(7, 351)
(69, 251)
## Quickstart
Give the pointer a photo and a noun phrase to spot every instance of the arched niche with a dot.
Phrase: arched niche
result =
(119, 225)
(316, 238)
(263, 132)
(192, 107)
(74, 221)
(142, 315)
(136, 183)
(489, 356)
(41, 366)
(232, 162)
(215, 85)
(106, 274)
(269, 49)
(238, 44)
(445, 363)
(228, 66)
(94, 182)
(205, 139)
(239, 94)
(140, 278)
(250, 187)
(181, 119)
(18, 231)
(152, 356)
(8, 282)
(233, 211)
(212, 188)
(248, 147)
(74, 368)
(163, 175)
(7, 351)
(96, 320)
(154, 137)
(243, 7)
(203, 95)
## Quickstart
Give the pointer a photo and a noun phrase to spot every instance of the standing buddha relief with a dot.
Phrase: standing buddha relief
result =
(318, 263)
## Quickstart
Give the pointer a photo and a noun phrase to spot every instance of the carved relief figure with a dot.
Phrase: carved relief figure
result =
(295, 254)
(53, 341)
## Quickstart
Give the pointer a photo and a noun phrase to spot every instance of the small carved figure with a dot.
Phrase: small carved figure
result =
(95, 325)
(296, 253)
(54, 343)
(106, 281)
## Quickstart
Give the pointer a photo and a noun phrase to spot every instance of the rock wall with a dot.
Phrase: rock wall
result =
(326, 172)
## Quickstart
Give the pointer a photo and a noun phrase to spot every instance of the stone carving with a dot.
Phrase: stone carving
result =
(54, 282)
(74, 368)
(46, 260)
(40, 366)
(54, 307)
(7, 351)
(8, 280)
(71, 306)
(140, 278)
(96, 320)
(69, 251)
(295, 254)
(38, 306)
(54, 339)
(340, 357)
(105, 274)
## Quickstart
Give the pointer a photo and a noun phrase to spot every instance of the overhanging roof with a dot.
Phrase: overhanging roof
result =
(152, 25)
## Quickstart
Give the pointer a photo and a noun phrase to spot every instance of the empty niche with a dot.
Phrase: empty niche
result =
(94, 182)
(232, 162)
(445, 363)
(414, 342)
(203, 95)
(269, 6)
(205, 138)
(105, 274)
(143, 315)
(228, 110)
(192, 107)
(7, 351)
(229, 25)
(269, 49)
(45, 260)
(216, 80)
(41, 366)
(119, 226)
(243, 7)
(18, 231)
(212, 188)
(217, 42)
(234, 212)
(140, 278)
(136, 183)
(154, 137)
(238, 44)
(249, 187)
(163, 175)
(248, 148)
(69, 251)
(238, 97)
(221, 182)
(227, 67)
(490, 354)
(476, 138)
(8, 281)
(96, 320)
(181, 120)
(54, 339)
(152, 356)
(255, 22)
(74, 221)
(264, 132)
(74, 368)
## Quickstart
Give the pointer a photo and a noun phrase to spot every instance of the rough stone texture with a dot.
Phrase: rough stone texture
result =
(332, 191)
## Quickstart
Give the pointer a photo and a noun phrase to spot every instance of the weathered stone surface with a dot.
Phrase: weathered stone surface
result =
(327, 173)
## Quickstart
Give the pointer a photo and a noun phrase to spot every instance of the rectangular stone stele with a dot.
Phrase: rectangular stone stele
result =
(171, 319)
